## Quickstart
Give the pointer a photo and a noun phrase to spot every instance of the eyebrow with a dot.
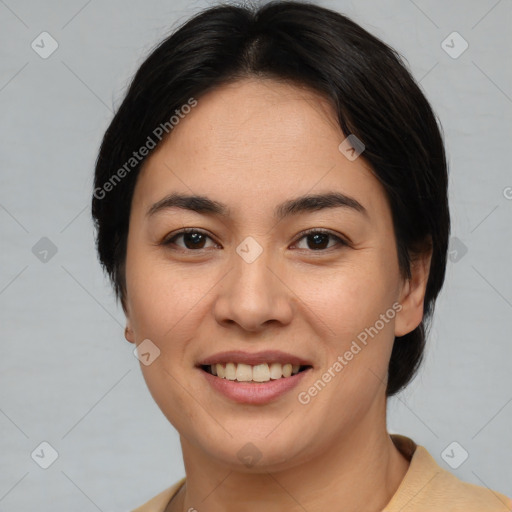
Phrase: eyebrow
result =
(302, 204)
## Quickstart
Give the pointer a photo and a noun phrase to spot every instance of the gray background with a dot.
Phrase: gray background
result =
(68, 377)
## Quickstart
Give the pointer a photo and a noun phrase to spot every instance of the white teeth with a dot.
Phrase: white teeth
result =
(230, 371)
(257, 373)
(276, 371)
(243, 372)
(287, 370)
(261, 373)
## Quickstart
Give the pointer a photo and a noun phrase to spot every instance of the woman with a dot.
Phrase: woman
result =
(271, 206)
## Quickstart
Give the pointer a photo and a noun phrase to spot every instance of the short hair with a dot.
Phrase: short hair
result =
(369, 87)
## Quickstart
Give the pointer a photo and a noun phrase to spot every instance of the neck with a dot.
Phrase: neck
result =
(361, 471)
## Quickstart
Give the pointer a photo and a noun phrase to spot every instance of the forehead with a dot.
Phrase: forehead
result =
(255, 140)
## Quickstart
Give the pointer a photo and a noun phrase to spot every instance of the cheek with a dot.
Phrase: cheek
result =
(354, 318)
(167, 305)
(351, 298)
(160, 296)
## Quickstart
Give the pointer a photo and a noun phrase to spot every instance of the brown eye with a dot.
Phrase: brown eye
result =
(317, 240)
(193, 239)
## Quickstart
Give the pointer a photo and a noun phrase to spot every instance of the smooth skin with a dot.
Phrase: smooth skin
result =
(253, 144)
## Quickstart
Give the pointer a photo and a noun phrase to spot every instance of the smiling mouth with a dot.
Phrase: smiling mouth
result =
(260, 373)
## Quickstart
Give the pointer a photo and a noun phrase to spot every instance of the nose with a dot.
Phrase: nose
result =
(254, 294)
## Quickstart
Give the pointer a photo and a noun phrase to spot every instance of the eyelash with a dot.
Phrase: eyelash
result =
(340, 241)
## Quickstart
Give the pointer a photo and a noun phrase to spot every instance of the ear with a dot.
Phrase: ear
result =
(128, 332)
(412, 294)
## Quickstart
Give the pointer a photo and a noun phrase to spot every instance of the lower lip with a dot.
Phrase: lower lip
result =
(254, 393)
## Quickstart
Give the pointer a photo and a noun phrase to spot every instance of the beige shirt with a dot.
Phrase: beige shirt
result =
(426, 487)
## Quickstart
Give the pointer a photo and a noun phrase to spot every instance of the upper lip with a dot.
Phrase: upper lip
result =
(266, 356)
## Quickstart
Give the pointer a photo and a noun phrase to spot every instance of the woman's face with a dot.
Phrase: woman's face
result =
(249, 280)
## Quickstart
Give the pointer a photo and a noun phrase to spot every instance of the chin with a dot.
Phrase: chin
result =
(258, 452)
